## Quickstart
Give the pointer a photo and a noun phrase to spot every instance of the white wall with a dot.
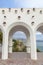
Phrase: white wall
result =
(12, 17)
(25, 20)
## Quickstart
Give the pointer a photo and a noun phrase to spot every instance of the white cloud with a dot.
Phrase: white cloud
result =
(29, 3)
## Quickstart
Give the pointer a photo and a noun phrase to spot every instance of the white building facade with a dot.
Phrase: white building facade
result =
(20, 19)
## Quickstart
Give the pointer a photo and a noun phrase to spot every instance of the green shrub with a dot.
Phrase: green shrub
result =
(1, 37)
(38, 50)
(18, 46)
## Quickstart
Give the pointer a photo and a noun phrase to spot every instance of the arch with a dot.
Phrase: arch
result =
(38, 25)
(27, 27)
(31, 37)
(22, 24)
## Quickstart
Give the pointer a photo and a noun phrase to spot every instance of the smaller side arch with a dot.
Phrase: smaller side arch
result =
(38, 29)
(38, 25)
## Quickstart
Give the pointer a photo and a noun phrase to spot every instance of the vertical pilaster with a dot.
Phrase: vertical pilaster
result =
(5, 46)
(33, 46)
(28, 44)
(28, 49)
(10, 45)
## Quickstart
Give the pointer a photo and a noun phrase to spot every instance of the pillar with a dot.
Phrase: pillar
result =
(33, 46)
(28, 44)
(10, 45)
(28, 49)
(5, 46)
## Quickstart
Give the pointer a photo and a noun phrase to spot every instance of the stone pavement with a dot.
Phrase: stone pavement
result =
(22, 58)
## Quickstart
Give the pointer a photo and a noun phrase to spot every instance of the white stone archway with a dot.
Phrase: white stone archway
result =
(20, 27)
(38, 25)
(23, 29)
(32, 37)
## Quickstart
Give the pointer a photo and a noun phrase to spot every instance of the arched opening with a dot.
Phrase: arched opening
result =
(19, 42)
(39, 41)
(23, 29)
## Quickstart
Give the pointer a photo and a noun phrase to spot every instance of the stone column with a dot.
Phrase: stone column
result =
(10, 45)
(33, 46)
(28, 49)
(28, 44)
(5, 46)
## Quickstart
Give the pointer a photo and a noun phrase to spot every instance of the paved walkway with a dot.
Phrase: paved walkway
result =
(21, 58)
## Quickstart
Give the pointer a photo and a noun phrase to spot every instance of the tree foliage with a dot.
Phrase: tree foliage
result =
(1, 37)
(18, 46)
(38, 50)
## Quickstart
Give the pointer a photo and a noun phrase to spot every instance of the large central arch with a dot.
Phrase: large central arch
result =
(21, 26)
(23, 29)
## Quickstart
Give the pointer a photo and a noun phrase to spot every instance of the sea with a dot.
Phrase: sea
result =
(40, 45)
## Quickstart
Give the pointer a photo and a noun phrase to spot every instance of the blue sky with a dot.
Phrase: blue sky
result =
(20, 35)
(21, 3)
